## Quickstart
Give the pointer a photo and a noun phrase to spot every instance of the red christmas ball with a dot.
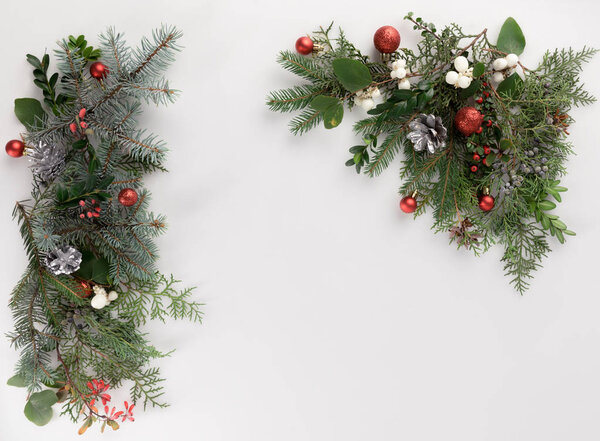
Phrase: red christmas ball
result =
(128, 197)
(408, 204)
(486, 202)
(99, 70)
(86, 289)
(304, 45)
(15, 148)
(468, 120)
(386, 39)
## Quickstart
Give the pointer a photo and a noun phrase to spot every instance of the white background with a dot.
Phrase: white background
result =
(330, 315)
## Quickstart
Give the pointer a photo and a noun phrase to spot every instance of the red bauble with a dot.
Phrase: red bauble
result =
(468, 120)
(86, 289)
(304, 45)
(386, 39)
(15, 148)
(408, 204)
(99, 70)
(128, 197)
(486, 202)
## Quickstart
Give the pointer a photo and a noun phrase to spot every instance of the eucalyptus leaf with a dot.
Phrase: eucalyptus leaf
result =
(38, 409)
(353, 74)
(16, 381)
(323, 102)
(511, 39)
(509, 86)
(332, 117)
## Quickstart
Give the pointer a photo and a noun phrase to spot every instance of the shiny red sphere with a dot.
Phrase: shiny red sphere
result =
(128, 197)
(99, 70)
(304, 45)
(468, 121)
(386, 39)
(15, 148)
(408, 204)
(486, 202)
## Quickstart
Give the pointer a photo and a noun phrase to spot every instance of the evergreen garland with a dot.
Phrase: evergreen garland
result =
(91, 281)
(491, 183)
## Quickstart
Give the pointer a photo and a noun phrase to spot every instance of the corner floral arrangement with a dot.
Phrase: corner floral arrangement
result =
(483, 139)
(91, 281)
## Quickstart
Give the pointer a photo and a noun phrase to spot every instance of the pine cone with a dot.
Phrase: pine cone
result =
(48, 161)
(64, 260)
(427, 132)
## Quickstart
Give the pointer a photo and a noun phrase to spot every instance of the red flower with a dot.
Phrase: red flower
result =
(128, 415)
(112, 415)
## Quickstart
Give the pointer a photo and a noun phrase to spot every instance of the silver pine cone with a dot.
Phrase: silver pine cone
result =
(427, 132)
(47, 161)
(64, 260)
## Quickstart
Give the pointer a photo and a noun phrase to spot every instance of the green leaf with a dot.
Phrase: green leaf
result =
(424, 98)
(16, 381)
(353, 74)
(559, 224)
(508, 87)
(489, 159)
(546, 205)
(332, 117)
(324, 102)
(471, 90)
(511, 39)
(424, 85)
(39, 407)
(402, 94)
(92, 268)
(27, 110)
(506, 144)
(34, 61)
(569, 232)
(478, 69)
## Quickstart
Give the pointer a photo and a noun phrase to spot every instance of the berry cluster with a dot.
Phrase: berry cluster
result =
(89, 209)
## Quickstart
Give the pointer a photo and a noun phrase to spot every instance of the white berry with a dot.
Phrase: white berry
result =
(500, 64)
(451, 77)
(404, 84)
(398, 64)
(464, 81)
(512, 60)
(497, 77)
(99, 301)
(367, 104)
(400, 72)
(376, 93)
(461, 64)
(112, 296)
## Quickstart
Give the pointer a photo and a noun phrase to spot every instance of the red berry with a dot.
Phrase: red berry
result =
(82, 216)
(82, 203)
(489, 123)
(89, 214)
(473, 168)
(96, 214)
(486, 149)
(479, 100)
(484, 84)
(486, 94)
(82, 114)
(476, 157)
(485, 161)
(98, 209)
(479, 130)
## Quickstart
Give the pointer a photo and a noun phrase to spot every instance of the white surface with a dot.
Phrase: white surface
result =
(329, 314)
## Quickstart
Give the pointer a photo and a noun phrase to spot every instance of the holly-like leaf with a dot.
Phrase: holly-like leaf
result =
(38, 409)
(353, 74)
(509, 86)
(511, 39)
(478, 70)
(92, 268)
(471, 90)
(16, 381)
(29, 111)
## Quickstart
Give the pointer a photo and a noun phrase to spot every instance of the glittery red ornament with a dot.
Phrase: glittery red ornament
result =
(99, 70)
(15, 148)
(468, 120)
(304, 45)
(86, 290)
(128, 197)
(386, 39)
(408, 204)
(486, 202)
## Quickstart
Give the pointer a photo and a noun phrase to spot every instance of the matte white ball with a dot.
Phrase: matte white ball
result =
(464, 82)
(367, 104)
(512, 60)
(497, 77)
(393, 74)
(461, 64)
(451, 77)
(398, 64)
(500, 64)
(400, 72)
(404, 84)
(99, 301)
(112, 296)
